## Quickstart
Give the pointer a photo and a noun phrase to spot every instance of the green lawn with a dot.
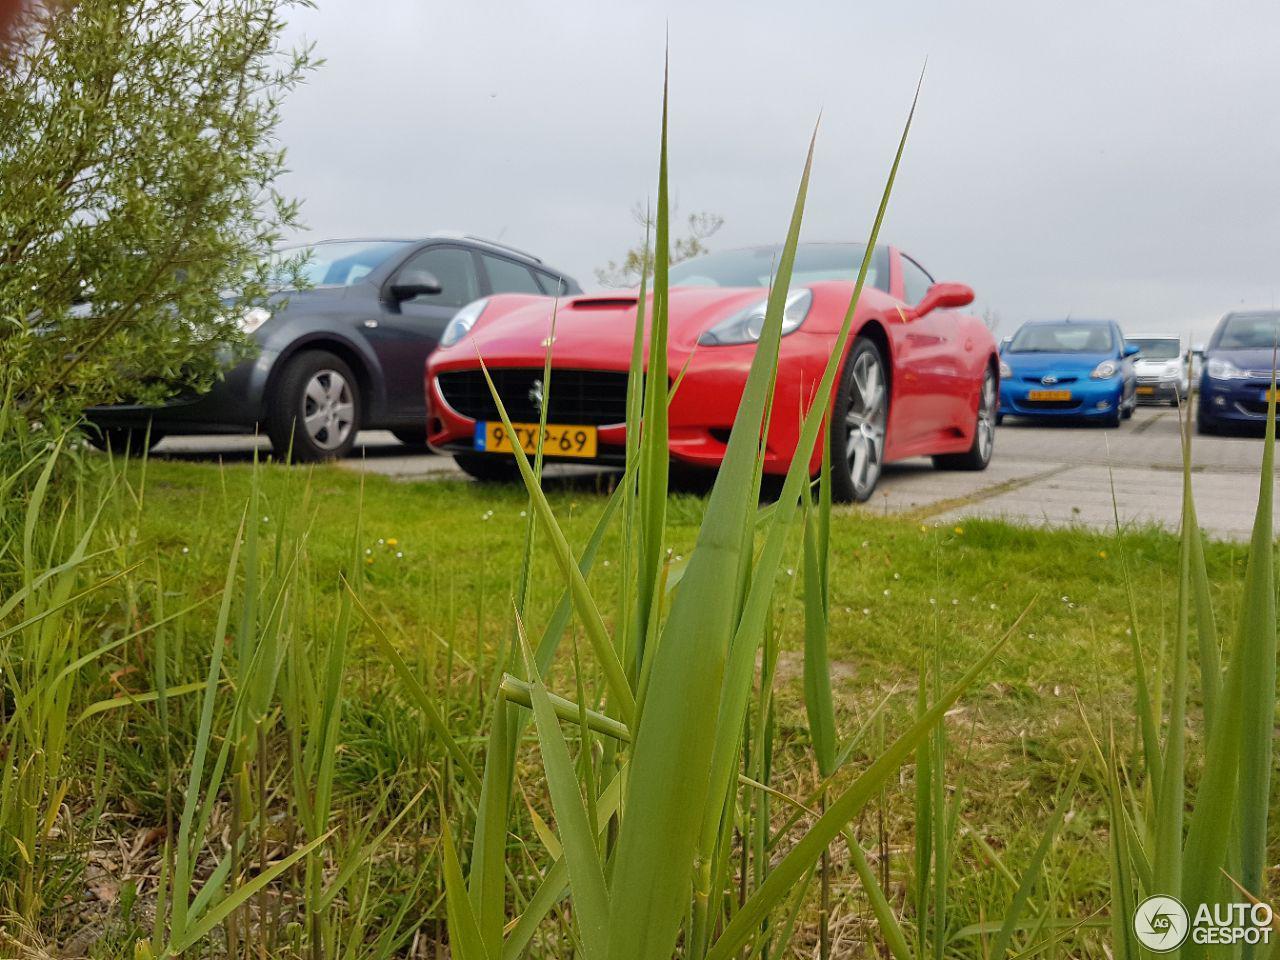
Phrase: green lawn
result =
(438, 564)
(438, 561)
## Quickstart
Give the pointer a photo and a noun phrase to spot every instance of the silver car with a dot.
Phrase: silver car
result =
(1162, 367)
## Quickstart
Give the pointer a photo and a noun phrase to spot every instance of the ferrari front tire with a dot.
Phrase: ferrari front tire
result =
(487, 467)
(858, 423)
(984, 433)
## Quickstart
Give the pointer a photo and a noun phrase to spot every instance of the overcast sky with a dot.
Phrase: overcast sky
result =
(1087, 158)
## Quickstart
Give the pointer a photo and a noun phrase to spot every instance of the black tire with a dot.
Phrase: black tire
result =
(126, 441)
(292, 409)
(978, 456)
(415, 437)
(999, 419)
(1127, 412)
(1113, 421)
(870, 410)
(487, 467)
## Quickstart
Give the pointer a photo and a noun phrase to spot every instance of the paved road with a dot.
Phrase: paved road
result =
(1053, 475)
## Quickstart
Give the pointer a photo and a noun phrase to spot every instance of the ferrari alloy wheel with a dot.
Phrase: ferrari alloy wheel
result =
(858, 426)
(984, 432)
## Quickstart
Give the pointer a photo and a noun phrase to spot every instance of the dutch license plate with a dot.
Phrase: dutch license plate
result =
(1146, 390)
(1048, 394)
(558, 440)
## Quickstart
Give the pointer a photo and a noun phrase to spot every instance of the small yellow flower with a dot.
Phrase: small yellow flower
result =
(923, 528)
(392, 542)
(368, 561)
(959, 531)
(1102, 554)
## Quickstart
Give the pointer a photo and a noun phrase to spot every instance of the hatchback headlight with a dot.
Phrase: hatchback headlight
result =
(463, 321)
(1104, 370)
(1006, 371)
(253, 318)
(745, 326)
(1219, 369)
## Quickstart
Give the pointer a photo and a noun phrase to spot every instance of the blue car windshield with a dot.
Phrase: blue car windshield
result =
(1250, 331)
(1062, 338)
(337, 263)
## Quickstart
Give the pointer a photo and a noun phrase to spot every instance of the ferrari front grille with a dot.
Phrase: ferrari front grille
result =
(590, 397)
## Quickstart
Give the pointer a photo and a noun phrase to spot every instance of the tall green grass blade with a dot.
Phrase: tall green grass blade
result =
(586, 873)
(465, 940)
(677, 730)
(654, 451)
(1258, 649)
(588, 612)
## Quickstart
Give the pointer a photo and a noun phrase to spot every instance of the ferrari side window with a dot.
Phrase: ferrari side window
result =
(915, 282)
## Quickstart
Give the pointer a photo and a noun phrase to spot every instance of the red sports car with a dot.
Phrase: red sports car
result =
(918, 377)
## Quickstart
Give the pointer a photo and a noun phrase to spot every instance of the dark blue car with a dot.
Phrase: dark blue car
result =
(1236, 373)
(1068, 369)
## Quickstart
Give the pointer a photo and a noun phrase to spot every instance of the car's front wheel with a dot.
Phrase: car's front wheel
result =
(984, 433)
(487, 467)
(314, 411)
(858, 424)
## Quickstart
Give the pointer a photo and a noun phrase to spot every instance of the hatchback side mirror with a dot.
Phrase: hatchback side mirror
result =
(1132, 349)
(414, 282)
(942, 296)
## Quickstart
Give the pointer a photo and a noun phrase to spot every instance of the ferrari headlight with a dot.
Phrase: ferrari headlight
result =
(463, 321)
(1107, 368)
(1006, 371)
(745, 326)
(1219, 369)
(253, 318)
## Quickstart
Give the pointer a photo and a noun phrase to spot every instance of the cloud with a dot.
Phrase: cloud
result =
(1085, 158)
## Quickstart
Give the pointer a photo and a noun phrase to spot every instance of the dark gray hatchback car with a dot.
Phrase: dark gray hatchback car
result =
(345, 354)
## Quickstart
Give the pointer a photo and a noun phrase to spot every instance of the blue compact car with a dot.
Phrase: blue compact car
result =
(1068, 369)
(1236, 373)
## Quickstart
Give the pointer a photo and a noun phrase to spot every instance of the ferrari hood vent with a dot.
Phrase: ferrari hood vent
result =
(605, 303)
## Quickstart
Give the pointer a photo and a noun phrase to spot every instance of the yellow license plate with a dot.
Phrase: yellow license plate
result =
(1048, 394)
(1146, 390)
(1269, 395)
(558, 440)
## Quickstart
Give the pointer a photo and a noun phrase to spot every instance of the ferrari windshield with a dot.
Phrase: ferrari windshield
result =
(335, 263)
(753, 266)
(1157, 348)
(1065, 337)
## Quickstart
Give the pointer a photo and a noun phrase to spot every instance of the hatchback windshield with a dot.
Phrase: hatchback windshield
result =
(753, 266)
(1062, 337)
(337, 263)
(1158, 348)
(1250, 331)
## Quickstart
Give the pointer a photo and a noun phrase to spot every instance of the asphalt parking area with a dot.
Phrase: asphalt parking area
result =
(1044, 475)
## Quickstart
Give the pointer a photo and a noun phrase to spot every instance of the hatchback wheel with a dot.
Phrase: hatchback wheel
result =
(858, 424)
(314, 411)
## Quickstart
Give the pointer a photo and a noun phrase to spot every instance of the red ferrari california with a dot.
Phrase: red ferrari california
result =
(919, 377)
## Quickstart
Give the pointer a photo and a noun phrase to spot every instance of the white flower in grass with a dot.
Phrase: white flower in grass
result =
(522, 513)
(897, 576)
(886, 593)
(186, 549)
(399, 555)
(933, 601)
(866, 612)
(266, 519)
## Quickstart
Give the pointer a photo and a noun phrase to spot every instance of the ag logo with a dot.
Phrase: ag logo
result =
(1160, 924)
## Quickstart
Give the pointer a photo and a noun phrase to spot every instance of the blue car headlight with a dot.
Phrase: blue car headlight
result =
(1105, 370)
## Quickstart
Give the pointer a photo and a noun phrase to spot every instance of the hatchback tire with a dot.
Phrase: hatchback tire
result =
(314, 411)
(126, 441)
(978, 456)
